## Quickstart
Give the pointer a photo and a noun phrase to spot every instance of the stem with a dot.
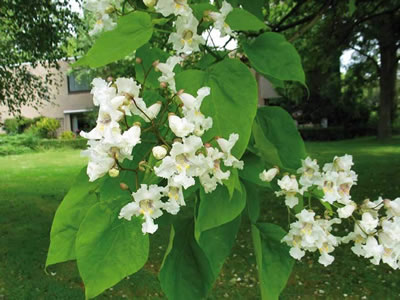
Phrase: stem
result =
(133, 99)
(122, 168)
(163, 30)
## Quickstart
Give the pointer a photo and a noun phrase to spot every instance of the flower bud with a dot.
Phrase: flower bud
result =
(124, 186)
(110, 79)
(163, 85)
(137, 124)
(155, 64)
(138, 60)
(180, 92)
(149, 3)
(141, 165)
(113, 172)
(159, 152)
(109, 10)
(267, 176)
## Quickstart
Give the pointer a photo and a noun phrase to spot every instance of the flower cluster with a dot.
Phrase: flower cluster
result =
(312, 234)
(375, 236)
(186, 39)
(108, 145)
(187, 159)
(102, 9)
(181, 160)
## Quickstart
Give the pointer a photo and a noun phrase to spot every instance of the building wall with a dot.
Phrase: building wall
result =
(63, 102)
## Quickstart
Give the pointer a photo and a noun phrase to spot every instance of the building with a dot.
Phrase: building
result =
(72, 101)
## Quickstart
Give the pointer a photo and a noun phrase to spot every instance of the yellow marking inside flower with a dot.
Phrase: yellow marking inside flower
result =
(146, 206)
(328, 186)
(307, 229)
(344, 189)
(324, 248)
(182, 162)
(99, 21)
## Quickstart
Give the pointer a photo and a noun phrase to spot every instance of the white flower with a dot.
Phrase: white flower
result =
(340, 164)
(213, 174)
(191, 111)
(167, 70)
(310, 174)
(140, 109)
(100, 160)
(290, 188)
(97, 6)
(182, 163)
(149, 3)
(329, 187)
(104, 153)
(159, 152)
(181, 127)
(347, 210)
(175, 197)
(185, 39)
(192, 103)
(368, 223)
(104, 23)
(146, 203)
(102, 91)
(219, 19)
(226, 147)
(310, 234)
(269, 175)
(176, 7)
(392, 207)
(127, 86)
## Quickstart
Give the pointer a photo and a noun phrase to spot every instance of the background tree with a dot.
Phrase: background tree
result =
(33, 33)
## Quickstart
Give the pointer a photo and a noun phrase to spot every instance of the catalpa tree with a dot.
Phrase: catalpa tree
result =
(183, 145)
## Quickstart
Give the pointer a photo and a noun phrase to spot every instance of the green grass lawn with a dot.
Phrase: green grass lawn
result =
(32, 186)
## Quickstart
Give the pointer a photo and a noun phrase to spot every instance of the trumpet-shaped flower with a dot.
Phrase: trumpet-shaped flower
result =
(185, 39)
(176, 7)
(226, 147)
(147, 203)
(219, 19)
(167, 70)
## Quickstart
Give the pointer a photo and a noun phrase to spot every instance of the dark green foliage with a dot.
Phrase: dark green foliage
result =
(34, 32)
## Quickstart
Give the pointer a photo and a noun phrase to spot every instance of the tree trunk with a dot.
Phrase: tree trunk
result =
(387, 83)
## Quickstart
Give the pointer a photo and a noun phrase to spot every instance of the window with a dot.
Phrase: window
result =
(78, 85)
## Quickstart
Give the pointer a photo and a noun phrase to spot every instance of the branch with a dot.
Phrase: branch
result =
(311, 23)
(288, 15)
(304, 20)
(369, 57)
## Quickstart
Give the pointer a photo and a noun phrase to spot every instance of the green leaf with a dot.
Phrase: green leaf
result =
(233, 183)
(189, 268)
(233, 100)
(185, 273)
(253, 166)
(254, 6)
(72, 210)
(132, 31)
(217, 244)
(242, 20)
(253, 201)
(277, 138)
(274, 263)
(218, 208)
(108, 249)
(149, 55)
(272, 55)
